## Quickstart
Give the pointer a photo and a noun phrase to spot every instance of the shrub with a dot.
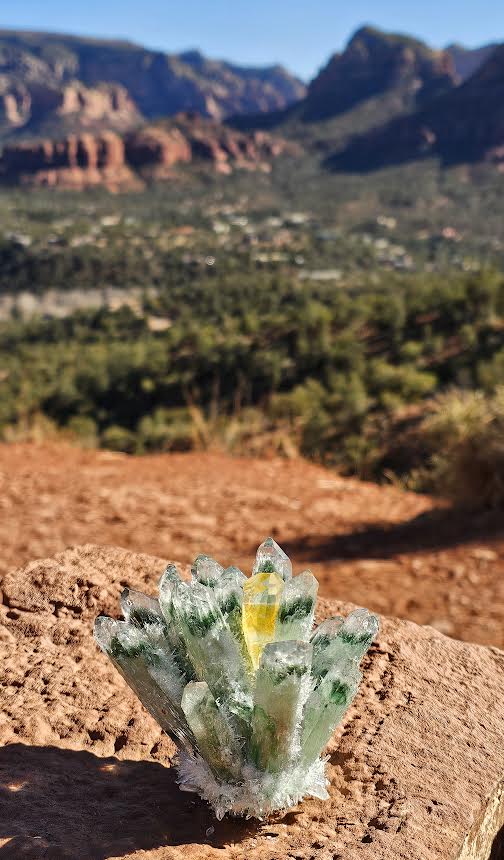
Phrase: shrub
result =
(117, 438)
(83, 428)
(466, 432)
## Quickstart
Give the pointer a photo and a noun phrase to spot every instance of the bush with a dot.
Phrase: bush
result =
(466, 432)
(166, 430)
(117, 438)
(84, 430)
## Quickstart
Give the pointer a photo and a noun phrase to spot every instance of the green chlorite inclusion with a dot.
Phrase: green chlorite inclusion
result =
(234, 673)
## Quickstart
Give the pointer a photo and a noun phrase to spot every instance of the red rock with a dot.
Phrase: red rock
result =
(416, 770)
(89, 159)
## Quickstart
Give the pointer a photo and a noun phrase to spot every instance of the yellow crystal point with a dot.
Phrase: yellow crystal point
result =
(261, 601)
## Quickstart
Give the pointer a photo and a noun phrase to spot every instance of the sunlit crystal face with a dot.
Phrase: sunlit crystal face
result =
(261, 601)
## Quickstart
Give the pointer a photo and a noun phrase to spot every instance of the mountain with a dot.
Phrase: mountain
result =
(375, 63)
(466, 61)
(377, 77)
(464, 125)
(51, 84)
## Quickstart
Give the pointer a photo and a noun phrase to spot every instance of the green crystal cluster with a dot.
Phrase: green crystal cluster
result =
(234, 673)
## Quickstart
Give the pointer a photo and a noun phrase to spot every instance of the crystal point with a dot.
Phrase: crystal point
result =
(271, 558)
(297, 607)
(207, 571)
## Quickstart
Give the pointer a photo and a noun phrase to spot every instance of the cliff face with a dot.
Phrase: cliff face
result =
(374, 63)
(465, 125)
(44, 78)
(148, 154)
(74, 163)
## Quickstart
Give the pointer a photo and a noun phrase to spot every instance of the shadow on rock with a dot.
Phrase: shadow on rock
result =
(497, 852)
(61, 804)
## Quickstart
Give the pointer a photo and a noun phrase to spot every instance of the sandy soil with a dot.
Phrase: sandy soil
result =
(395, 552)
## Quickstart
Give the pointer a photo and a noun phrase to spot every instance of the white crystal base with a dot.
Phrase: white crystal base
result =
(259, 793)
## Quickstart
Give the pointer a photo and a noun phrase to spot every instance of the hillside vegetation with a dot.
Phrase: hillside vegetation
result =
(254, 363)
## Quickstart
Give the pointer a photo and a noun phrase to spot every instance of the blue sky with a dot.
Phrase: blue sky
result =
(299, 33)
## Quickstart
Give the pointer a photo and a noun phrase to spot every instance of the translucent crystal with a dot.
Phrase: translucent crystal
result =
(150, 671)
(297, 608)
(337, 641)
(216, 741)
(271, 558)
(229, 596)
(168, 585)
(325, 645)
(325, 708)
(212, 648)
(283, 683)
(140, 609)
(358, 631)
(224, 665)
(261, 602)
(206, 570)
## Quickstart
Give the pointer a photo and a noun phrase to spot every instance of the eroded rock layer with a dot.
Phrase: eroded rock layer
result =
(149, 153)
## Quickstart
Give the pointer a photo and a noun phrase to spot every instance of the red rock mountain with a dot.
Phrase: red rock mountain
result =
(148, 154)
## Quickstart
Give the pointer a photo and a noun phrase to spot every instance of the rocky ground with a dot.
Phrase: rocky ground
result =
(395, 552)
(415, 772)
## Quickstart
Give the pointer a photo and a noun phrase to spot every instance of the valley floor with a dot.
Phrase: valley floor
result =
(395, 552)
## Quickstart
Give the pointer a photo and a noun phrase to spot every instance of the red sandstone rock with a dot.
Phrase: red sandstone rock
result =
(152, 147)
(77, 162)
(415, 771)
(108, 159)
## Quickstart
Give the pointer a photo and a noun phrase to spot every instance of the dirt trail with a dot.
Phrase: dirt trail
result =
(395, 552)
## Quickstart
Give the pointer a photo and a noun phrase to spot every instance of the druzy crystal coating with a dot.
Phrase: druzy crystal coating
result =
(232, 670)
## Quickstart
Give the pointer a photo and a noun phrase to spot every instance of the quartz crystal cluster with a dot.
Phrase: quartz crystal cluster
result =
(234, 673)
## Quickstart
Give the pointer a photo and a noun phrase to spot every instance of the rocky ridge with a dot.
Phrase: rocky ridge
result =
(416, 769)
(464, 125)
(126, 162)
(373, 64)
(466, 61)
(52, 83)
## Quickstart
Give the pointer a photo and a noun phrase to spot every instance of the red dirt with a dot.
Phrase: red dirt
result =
(395, 552)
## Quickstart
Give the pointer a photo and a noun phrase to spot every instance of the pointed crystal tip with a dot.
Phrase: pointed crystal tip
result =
(206, 570)
(271, 558)
(360, 627)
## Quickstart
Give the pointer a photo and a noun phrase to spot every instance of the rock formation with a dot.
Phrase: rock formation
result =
(148, 154)
(48, 81)
(74, 163)
(416, 771)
